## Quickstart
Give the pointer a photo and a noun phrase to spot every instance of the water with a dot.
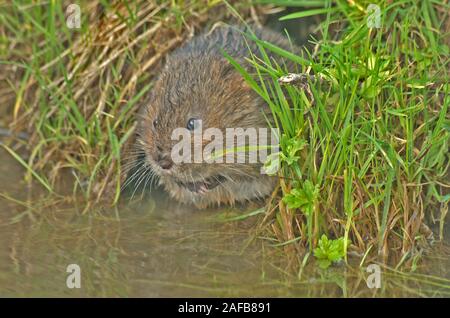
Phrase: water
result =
(159, 248)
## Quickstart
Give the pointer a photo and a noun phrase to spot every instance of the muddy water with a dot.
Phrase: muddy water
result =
(158, 248)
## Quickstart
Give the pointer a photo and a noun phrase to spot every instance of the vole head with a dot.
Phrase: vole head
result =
(194, 90)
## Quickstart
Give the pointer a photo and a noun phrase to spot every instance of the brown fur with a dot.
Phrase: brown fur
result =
(197, 81)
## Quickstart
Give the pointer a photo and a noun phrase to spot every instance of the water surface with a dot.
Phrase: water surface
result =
(159, 248)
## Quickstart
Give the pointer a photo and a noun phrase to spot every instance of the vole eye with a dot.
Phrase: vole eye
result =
(155, 123)
(193, 123)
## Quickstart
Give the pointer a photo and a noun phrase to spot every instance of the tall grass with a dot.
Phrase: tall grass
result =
(76, 91)
(365, 140)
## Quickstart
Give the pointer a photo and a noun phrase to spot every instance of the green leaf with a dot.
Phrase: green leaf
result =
(291, 146)
(307, 13)
(272, 164)
(303, 198)
(329, 251)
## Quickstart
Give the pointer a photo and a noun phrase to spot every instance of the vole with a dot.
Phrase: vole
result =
(199, 84)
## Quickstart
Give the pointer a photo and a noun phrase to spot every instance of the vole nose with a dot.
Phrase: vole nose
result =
(165, 161)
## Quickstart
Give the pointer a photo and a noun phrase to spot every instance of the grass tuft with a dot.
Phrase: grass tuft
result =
(365, 135)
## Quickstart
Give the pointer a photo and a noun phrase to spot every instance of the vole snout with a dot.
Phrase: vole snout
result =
(164, 161)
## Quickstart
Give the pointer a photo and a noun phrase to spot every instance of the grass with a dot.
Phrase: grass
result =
(365, 153)
(76, 90)
(365, 141)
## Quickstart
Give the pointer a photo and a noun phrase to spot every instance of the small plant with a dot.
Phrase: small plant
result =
(291, 148)
(289, 155)
(272, 164)
(329, 251)
(303, 198)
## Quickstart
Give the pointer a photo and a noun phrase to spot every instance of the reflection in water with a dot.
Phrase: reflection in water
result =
(165, 249)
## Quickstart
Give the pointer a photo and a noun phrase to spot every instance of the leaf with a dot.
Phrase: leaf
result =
(304, 198)
(307, 13)
(272, 164)
(324, 263)
(291, 146)
(329, 251)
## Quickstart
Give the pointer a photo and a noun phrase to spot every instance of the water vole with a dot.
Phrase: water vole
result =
(199, 84)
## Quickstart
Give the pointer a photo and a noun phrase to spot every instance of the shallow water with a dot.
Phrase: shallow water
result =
(159, 248)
